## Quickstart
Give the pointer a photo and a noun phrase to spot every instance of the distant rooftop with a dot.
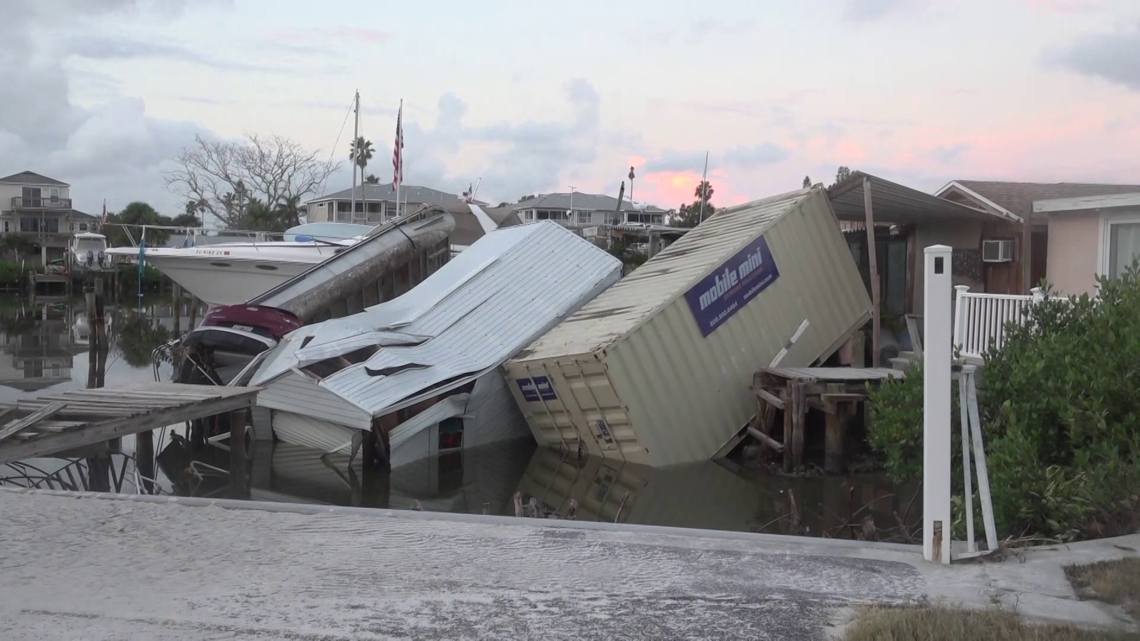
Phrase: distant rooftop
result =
(376, 193)
(584, 202)
(31, 178)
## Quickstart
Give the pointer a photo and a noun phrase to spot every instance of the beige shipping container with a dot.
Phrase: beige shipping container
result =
(657, 369)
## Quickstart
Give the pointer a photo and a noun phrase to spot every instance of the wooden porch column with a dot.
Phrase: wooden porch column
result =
(1026, 255)
(872, 257)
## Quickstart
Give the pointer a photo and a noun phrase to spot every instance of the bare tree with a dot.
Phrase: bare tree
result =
(224, 176)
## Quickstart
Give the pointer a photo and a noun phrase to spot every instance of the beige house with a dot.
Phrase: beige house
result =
(1089, 237)
(39, 208)
(375, 204)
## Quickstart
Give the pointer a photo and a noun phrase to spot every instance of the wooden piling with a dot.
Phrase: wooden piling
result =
(193, 313)
(239, 486)
(144, 458)
(177, 300)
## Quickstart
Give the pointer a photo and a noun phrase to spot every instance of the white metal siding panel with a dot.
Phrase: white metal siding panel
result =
(294, 392)
(312, 433)
(494, 415)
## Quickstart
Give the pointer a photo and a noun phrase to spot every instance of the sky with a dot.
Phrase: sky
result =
(536, 97)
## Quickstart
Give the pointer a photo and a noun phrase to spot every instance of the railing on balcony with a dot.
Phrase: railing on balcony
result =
(980, 319)
(19, 202)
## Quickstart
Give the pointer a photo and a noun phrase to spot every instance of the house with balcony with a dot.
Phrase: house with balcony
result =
(39, 208)
(375, 204)
(578, 210)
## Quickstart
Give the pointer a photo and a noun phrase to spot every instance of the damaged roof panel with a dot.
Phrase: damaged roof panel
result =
(477, 311)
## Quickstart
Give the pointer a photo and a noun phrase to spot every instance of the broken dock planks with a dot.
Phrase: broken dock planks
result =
(85, 417)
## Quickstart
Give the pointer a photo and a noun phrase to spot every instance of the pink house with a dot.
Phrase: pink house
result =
(1089, 237)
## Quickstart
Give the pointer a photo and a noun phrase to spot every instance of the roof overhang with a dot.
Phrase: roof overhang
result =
(985, 203)
(899, 205)
(1059, 205)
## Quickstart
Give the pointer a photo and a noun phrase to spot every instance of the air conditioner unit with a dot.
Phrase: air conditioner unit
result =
(997, 251)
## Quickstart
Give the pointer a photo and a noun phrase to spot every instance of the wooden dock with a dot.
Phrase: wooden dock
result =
(54, 423)
(835, 391)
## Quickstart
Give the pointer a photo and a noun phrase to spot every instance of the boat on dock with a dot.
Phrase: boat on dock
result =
(232, 273)
(88, 251)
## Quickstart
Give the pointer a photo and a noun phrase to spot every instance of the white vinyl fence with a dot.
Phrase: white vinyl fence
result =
(980, 319)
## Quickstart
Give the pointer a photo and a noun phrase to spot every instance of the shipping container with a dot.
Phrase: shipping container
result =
(657, 369)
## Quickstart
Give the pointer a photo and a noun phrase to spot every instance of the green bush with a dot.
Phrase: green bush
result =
(15, 274)
(1060, 416)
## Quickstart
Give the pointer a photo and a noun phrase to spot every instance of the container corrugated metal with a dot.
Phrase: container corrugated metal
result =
(638, 375)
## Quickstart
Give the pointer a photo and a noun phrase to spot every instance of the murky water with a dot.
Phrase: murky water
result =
(42, 349)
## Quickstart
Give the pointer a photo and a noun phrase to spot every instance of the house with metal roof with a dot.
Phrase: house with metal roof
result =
(579, 210)
(40, 209)
(375, 204)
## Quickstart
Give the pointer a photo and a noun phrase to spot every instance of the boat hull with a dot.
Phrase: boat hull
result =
(228, 281)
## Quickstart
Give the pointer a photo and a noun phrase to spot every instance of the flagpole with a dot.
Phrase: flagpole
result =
(399, 176)
(355, 152)
(704, 191)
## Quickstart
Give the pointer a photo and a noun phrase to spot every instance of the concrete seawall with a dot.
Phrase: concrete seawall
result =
(112, 566)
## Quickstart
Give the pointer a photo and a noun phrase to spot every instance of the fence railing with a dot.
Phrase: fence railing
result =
(980, 319)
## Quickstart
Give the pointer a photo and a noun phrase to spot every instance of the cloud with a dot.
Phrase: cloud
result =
(112, 149)
(750, 157)
(1112, 56)
(871, 10)
(341, 34)
(1067, 6)
(120, 48)
(701, 29)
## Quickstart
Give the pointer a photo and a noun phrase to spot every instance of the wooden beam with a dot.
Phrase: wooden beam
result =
(849, 187)
(872, 256)
(29, 420)
(765, 439)
(911, 267)
(771, 398)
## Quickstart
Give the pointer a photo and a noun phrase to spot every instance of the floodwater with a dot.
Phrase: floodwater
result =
(43, 349)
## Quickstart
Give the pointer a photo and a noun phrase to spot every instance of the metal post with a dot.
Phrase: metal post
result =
(936, 440)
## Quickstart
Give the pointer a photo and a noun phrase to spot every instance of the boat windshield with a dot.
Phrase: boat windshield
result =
(325, 231)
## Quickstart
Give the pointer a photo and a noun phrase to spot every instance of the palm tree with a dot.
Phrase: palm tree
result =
(360, 153)
(704, 191)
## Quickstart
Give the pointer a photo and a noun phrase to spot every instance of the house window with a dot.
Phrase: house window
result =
(82, 226)
(55, 193)
(1122, 244)
(528, 214)
(584, 218)
(29, 224)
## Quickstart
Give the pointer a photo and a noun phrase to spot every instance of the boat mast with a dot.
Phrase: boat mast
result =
(355, 150)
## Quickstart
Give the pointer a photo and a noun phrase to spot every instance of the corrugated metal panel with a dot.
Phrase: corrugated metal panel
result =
(673, 394)
(294, 392)
(479, 309)
(658, 282)
(320, 436)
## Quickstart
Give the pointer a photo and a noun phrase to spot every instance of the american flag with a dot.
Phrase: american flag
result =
(398, 151)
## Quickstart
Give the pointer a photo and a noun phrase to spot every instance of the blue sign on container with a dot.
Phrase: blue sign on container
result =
(528, 389)
(545, 389)
(738, 280)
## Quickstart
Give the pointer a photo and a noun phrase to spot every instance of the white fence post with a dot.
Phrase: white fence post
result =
(1038, 294)
(960, 303)
(936, 364)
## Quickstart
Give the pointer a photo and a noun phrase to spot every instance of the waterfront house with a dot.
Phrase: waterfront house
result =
(39, 208)
(1090, 236)
(375, 204)
(578, 210)
(1058, 245)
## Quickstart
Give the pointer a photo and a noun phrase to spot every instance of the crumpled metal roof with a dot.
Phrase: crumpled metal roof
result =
(478, 310)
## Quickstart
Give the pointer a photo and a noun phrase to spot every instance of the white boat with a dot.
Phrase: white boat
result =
(88, 251)
(232, 273)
